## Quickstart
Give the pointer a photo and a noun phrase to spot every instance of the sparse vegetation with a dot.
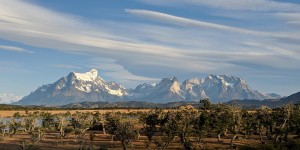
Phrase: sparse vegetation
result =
(208, 127)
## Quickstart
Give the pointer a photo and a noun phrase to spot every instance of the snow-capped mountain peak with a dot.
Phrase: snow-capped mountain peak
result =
(88, 76)
(7, 98)
(76, 87)
(79, 87)
(221, 88)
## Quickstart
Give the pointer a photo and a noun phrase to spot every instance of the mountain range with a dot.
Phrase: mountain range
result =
(90, 87)
(7, 98)
(272, 103)
(248, 104)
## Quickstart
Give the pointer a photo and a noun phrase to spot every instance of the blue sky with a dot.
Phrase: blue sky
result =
(137, 41)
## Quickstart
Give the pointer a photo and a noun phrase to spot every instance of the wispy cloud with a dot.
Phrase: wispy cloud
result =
(171, 19)
(112, 71)
(63, 32)
(274, 48)
(56, 34)
(187, 22)
(14, 49)
(252, 5)
(65, 66)
(143, 51)
(290, 18)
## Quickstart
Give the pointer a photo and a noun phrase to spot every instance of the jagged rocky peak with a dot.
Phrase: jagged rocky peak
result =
(189, 83)
(88, 76)
(193, 81)
(169, 80)
(79, 87)
(175, 88)
(225, 80)
(144, 86)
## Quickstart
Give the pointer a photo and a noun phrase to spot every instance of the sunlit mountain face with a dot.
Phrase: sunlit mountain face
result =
(89, 86)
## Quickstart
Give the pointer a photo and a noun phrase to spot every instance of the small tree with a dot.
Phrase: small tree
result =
(81, 122)
(14, 125)
(29, 123)
(235, 123)
(47, 120)
(205, 104)
(124, 132)
(186, 117)
(283, 116)
(295, 120)
(151, 122)
(61, 125)
(37, 135)
(2, 128)
(220, 119)
(263, 122)
(202, 126)
(99, 120)
(168, 129)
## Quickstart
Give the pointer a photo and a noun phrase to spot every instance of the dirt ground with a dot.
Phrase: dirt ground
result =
(52, 142)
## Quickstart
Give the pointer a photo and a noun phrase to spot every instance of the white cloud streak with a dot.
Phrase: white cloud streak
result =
(290, 18)
(201, 24)
(65, 30)
(278, 49)
(187, 22)
(249, 5)
(139, 49)
(14, 49)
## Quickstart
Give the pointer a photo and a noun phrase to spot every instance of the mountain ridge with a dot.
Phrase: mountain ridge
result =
(89, 86)
(7, 98)
(248, 104)
(272, 103)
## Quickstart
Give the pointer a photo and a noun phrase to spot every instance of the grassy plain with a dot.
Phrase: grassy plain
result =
(9, 113)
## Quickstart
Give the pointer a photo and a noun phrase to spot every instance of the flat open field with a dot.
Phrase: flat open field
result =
(9, 113)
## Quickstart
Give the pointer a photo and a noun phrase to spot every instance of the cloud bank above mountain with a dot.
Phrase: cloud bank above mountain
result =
(152, 44)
